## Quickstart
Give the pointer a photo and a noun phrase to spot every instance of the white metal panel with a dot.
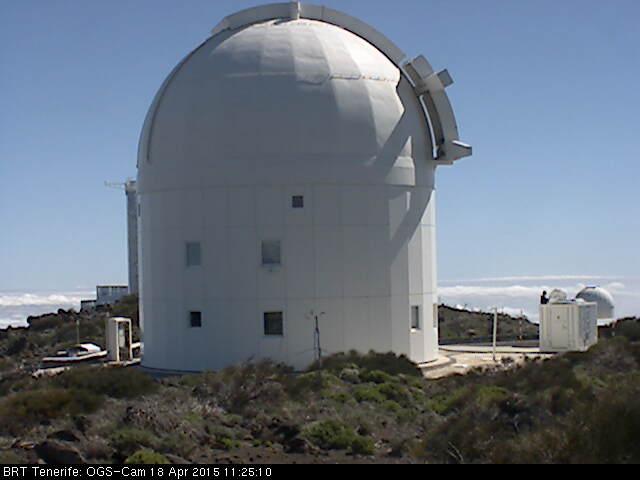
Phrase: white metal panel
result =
(329, 263)
(355, 205)
(300, 264)
(216, 262)
(244, 254)
(300, 330)
(270, 205)
(380, 255)
(357, 256)
(326, 207)
(416, 263)
(379, 328)
(428, 258)
(356, 323)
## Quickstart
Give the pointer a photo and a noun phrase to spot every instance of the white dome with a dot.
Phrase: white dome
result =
(286, 167)
(606, 308)
(294, 94)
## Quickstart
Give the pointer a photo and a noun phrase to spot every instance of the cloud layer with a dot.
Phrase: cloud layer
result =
(15, 307)
(522, 293)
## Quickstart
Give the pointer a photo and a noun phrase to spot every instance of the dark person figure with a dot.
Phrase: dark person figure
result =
(543, 298)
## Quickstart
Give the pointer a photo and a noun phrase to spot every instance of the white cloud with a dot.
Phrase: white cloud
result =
(532, 278)
(28, 299)
(514, 291)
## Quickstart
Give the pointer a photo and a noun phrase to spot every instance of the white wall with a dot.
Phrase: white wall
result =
(338, 257)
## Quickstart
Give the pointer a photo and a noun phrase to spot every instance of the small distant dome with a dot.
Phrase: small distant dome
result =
(558, 296)
(606, 308)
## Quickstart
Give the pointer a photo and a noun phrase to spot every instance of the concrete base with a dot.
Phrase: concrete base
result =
(460, 359)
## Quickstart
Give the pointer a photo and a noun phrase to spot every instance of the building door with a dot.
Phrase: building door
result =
(560, 328)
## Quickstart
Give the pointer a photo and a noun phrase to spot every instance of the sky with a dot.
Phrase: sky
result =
(545, 91)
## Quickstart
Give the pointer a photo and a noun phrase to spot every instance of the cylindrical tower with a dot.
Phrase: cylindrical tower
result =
(286, 170)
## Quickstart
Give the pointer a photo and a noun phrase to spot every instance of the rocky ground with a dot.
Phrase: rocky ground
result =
(357, 408)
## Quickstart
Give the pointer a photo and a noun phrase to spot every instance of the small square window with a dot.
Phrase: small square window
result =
(297, 201)
(195, 319)
(273, 323)
(193, 254)
(415, 317)
(271, 252)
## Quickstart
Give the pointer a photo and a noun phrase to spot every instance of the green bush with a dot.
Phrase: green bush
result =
(113, 382)
(444, 403)
(629, 329)
(368, 393)
(146, 457)
(392, 406)
(389, 363)
(46, 322)
(489, 395)
(397, 393)
(224, 437)
(299, 387)
(334, 435)
(10, 457)
(16, 345)
(126, 441)
(375, 376)
(5, 364)
(243, 386)
(362, 446)
(30, 407)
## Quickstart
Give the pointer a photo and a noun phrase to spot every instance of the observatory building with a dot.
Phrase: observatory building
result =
(286, 179)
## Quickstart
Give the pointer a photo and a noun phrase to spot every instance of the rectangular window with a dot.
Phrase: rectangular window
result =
(297, 201)
(415, 317)
(195, 319)
(273, 323)
(271, 252)
(194, 255)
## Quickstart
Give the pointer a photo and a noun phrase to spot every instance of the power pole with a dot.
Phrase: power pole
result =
(495, 331)
(316, 336)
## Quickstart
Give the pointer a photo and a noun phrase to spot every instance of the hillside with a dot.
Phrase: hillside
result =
(372, 408)
(464, 325)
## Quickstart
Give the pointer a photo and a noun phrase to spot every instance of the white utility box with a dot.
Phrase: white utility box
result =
(119, 339)
(568, 326)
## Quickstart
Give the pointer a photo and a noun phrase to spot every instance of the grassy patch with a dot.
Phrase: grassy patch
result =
(146, 457)
(389, 363)
(30, 407)
(127, 441)
(335, 435)
(489, 395)
(113, 382)
(444, 403)
(368, 393)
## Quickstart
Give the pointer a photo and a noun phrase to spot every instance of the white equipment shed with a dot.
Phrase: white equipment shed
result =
(119, 339)
(568, 326)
